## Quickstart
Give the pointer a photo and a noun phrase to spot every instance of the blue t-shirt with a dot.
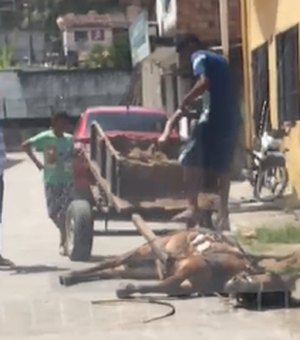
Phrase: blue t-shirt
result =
(223, 115)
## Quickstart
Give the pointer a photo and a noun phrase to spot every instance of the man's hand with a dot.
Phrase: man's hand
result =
(163, 139)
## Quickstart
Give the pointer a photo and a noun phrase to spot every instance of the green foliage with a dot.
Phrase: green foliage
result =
(6, 57)
(286, 234)
(118, 55)
(99, 57)
(120, 51)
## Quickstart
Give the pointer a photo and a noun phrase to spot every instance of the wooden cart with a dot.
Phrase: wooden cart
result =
(122, 185)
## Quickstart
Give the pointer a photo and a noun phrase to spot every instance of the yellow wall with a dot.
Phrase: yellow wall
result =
(261, 21)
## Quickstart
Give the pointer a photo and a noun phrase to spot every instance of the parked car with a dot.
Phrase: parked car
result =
(128, 120)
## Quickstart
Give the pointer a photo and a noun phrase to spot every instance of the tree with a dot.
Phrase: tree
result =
(99, 57)
(120, 51)
(118, 55)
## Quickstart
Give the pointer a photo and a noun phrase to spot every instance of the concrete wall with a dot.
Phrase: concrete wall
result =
(31, 94)
(263, 21)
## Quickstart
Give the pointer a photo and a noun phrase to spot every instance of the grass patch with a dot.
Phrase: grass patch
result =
(289, 234)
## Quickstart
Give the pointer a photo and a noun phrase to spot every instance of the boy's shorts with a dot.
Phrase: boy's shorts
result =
(58, 198)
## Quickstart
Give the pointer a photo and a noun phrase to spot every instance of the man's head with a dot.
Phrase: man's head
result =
(188, 42)
(60, 121)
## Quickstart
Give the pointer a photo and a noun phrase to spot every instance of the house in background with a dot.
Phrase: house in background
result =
(272, 74)
(81, 32)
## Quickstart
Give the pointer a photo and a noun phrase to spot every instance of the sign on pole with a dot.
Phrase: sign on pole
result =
(139, 39)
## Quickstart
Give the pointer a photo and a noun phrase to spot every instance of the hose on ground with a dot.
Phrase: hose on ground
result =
(170, 312)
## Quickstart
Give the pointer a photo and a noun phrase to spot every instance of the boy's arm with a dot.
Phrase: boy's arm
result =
(38, 142)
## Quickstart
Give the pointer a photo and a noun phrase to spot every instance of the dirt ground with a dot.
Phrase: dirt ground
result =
(148, 156)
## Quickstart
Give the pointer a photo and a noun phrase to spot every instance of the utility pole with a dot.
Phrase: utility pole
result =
(224, 27)
(30, 47)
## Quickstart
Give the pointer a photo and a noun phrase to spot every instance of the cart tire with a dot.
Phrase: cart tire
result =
(80, 230)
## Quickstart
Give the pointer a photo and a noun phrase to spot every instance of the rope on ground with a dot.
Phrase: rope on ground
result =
(171, 307)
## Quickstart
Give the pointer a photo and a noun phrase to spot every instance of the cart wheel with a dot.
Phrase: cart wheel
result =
(80, 230)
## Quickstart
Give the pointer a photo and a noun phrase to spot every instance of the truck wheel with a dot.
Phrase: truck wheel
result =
(80, 230)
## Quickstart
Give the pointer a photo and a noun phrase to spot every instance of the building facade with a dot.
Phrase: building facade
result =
(271, 59)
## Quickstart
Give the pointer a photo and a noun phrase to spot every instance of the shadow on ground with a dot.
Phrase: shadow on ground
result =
(36, 269)
(12, 162)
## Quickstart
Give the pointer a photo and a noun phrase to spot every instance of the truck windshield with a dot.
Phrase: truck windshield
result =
(128, 121)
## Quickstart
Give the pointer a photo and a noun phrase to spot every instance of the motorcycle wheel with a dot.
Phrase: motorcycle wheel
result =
(262, 182)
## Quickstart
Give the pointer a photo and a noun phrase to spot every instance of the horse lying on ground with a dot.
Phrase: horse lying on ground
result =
(197, 261)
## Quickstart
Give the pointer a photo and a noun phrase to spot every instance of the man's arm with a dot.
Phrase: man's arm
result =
(202, 84)
(38, 142)
(199, 64)
(198, 89)
(171, 123)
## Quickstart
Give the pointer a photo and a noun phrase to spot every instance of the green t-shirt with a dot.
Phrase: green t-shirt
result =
(58, 156)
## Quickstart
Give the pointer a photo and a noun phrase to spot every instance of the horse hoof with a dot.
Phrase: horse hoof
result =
(65, 280)
(125, 291)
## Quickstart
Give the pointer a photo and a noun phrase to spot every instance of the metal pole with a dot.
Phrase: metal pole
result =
(30, 56)
(224, 27)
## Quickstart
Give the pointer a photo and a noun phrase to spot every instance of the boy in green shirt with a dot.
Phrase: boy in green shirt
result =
(58, 150)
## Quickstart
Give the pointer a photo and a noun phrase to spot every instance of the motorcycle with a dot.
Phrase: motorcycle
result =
(268, 170)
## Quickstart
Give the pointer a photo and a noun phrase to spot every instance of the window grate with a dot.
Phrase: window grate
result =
(287, 59)
(261, 89)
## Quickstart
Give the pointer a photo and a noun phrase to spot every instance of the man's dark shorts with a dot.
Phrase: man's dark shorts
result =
(207, 148)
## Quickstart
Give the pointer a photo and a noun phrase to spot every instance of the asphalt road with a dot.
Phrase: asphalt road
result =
(34, 306)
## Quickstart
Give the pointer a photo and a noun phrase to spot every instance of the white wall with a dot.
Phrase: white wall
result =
(167, 21)
(71, 45)
(151, 86)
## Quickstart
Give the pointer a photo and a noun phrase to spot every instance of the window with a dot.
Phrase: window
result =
(166, 5)
(287, 58)
(97, 35)
(80, 36)
(261, 90)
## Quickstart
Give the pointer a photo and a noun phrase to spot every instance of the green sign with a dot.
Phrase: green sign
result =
(139, 39)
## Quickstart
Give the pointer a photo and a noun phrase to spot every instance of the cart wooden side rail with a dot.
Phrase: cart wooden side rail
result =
(134, 187)
(111, 172)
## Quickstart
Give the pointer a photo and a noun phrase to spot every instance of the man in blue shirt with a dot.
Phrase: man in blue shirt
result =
(208, 154)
